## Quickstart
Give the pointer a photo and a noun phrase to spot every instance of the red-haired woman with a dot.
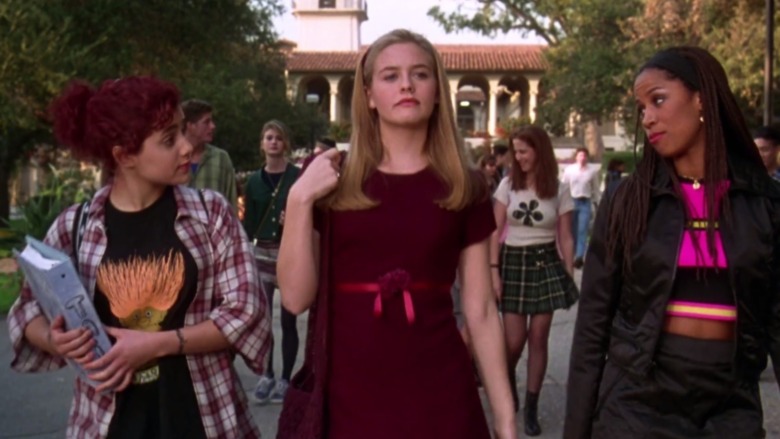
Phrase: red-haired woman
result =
(530, 279)
(171, 272)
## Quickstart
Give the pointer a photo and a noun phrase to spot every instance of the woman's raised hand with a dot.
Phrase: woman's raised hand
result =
(320, 178)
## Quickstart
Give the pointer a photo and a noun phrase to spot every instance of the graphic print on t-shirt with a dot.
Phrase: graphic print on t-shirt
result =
(528, 213)
(140, 291)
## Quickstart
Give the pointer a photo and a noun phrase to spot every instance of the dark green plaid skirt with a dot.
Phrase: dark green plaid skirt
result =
(534, 280)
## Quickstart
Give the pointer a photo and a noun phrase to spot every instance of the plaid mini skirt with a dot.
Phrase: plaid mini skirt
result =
(534, 280)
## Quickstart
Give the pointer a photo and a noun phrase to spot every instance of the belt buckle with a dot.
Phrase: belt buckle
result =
(147, 375)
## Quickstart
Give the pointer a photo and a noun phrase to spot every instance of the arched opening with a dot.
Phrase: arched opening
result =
(512, 99)
(344, 112)
(472, 106)
(315, 90)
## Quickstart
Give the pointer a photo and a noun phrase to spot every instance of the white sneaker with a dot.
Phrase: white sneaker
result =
(280, 389)
(263, 389)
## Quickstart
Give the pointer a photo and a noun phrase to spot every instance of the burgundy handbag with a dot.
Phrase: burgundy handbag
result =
(303, 412)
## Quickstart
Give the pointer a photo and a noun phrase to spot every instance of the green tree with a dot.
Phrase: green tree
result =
(733, 30)
(221, 51)
(543, 18)
(35, 49)
(586, 63)
(595, 47)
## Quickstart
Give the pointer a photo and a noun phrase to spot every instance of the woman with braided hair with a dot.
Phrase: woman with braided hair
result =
(170, 271)
(680, 299)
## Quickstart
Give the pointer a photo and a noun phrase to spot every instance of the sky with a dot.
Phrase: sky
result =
(386, 15)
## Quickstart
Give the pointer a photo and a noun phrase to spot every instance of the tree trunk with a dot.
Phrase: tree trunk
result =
(5, 193)
(593, 141)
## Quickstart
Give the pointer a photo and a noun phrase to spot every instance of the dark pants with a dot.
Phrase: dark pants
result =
(289, 333)
(690, 393)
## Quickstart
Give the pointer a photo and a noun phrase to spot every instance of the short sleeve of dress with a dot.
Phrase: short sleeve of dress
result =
(565, 202)
(480, 222)
(502, 191)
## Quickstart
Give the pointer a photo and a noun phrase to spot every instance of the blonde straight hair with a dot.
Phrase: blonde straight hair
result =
(443, 147)
(280, 128)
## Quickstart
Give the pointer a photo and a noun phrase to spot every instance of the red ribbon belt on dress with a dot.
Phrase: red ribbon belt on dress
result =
(390, 284)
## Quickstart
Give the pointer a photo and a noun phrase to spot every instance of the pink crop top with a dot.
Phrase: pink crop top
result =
(701, 285)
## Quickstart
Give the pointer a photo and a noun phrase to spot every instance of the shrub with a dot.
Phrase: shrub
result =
(63, 188)
(509, 125)
(626, 156)
(340, 131)
(10, 283)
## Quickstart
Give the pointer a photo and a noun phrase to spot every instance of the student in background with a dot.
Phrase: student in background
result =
(529, 277)
(266, 196)
(583, 181)
(767, 140)
(614, 175)
(211, 167)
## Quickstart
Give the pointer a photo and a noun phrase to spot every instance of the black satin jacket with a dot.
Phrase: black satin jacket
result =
(621, 315)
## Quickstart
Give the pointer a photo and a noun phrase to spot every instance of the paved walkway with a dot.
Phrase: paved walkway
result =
(36, 405)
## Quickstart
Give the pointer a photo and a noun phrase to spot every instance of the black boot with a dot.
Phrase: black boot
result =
(530, 410)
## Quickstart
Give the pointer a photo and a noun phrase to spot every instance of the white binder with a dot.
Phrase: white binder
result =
(57, 287)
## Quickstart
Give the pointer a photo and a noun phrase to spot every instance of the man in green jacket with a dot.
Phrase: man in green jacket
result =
(211, 166)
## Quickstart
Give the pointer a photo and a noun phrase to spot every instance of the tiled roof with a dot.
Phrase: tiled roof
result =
(322, 61)
(457, 58)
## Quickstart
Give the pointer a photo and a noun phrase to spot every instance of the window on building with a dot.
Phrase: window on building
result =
(327, 4)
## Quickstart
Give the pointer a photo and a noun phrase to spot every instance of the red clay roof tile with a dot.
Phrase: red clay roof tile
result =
(457, 58)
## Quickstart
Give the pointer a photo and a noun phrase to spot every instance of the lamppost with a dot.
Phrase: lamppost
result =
(313, 100)
(768, 60)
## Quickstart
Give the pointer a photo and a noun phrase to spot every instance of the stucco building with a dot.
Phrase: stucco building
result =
(489, 83)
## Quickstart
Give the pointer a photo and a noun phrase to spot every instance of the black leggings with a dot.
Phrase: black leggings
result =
(289, 335)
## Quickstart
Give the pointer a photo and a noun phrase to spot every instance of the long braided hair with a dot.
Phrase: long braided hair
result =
(726, 138)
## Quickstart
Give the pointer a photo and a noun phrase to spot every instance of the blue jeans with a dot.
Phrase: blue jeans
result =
(579, 225)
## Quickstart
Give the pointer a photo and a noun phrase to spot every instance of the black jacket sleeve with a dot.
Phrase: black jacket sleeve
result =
(601, 282)
(773, 329)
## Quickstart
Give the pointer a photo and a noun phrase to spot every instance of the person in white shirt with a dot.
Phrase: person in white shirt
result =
(583, 180)
(530, 279)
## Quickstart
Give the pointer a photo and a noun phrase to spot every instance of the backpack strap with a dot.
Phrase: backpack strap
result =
(79, 226)
(203, 202)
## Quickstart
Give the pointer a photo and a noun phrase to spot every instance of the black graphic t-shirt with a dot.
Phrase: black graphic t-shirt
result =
(146, 281)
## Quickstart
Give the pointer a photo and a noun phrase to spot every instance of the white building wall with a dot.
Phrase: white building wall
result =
(328, 33)
(335, 28)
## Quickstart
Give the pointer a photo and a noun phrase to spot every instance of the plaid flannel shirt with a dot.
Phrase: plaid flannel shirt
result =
(228, 295)
(216, 172)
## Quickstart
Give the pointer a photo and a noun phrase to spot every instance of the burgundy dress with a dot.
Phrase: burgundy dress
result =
(398, 367)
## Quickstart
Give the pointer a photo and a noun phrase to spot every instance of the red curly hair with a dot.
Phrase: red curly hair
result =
(121, 112)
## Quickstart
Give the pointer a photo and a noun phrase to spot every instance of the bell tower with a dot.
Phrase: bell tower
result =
(329, 25)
